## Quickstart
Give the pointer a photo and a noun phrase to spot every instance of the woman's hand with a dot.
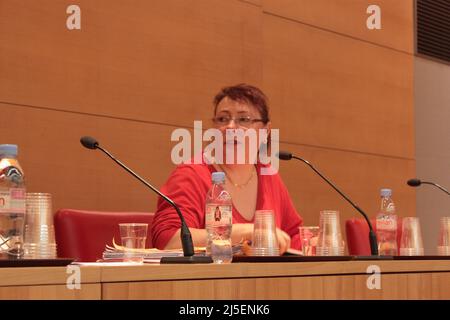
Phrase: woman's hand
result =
(241, 232)
(284, 241)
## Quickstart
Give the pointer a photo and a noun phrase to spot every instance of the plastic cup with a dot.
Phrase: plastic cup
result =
(309, 236)
(133, 236)
(264, 242)
(411, 242)
(39, 232)
(443, 248)
(330, 242)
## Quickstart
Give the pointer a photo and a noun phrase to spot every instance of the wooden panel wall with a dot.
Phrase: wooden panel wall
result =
(340, 94)
(348, 18)
(401, 286)
(154, 61)
(432, 101)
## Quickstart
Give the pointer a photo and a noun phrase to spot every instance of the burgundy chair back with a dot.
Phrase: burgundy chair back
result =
(357, 232)
(83, 235)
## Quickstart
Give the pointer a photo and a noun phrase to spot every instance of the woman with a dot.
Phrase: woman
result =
(236, 107)
(217, 214)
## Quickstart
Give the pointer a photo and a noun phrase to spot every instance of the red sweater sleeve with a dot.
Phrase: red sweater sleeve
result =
(186, 186)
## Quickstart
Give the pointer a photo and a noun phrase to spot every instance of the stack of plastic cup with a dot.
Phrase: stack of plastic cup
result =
(411, 243)
(330, 242)
(443, 248)
(265, 242)
(39, 232)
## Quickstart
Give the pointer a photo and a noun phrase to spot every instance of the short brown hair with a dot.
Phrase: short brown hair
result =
(245, 93)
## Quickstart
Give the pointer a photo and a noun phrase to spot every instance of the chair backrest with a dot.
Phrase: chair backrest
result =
(83, 235)
(357, 232)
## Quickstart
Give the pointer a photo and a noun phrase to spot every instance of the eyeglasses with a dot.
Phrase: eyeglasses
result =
(242, 121)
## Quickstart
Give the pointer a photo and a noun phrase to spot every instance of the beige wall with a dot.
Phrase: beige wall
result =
(342, 95)
(432, 104)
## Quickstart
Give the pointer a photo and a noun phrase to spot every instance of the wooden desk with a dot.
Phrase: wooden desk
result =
(418, 279)
(48, 283)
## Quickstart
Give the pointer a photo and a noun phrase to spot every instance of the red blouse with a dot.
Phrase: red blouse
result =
(188, 185)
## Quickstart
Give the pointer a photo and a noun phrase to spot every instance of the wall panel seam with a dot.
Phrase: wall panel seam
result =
(336, 33)
(89, 114)
(251, 3)
(347, 150)
(189, 127)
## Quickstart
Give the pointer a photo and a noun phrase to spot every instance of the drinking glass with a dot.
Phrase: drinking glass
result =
(330, 242)
(39, 232)
(444, 237)
(265, 242)
(133, 237)
(308, 238)
(411, 242)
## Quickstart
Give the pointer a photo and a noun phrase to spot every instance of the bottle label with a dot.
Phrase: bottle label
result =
(12, 200)
(218, 214)
(387, 223)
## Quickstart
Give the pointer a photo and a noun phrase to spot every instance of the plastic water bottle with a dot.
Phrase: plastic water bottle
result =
(218, 220)
(12, 201)
(387, 225)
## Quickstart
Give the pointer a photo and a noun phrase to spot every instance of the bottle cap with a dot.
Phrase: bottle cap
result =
(386, 192)
(8, 150)
(218, 176)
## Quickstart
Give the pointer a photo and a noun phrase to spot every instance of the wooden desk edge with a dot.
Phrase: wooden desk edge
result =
(255, 270)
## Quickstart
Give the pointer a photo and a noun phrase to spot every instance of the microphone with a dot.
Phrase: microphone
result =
(417, 182)
(284, 155)
(89, 142)
(186, 237)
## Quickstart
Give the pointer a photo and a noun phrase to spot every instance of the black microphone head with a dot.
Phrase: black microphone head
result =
(414, 182)
(89, 142)
(284, 155)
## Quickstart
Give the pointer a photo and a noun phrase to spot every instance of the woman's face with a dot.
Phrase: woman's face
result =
(234, 115)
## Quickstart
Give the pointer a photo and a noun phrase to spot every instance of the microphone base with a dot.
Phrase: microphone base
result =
(186, 260)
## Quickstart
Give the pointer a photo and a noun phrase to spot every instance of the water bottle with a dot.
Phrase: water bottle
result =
(218, 220)
(387, 225)
(12, 201)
